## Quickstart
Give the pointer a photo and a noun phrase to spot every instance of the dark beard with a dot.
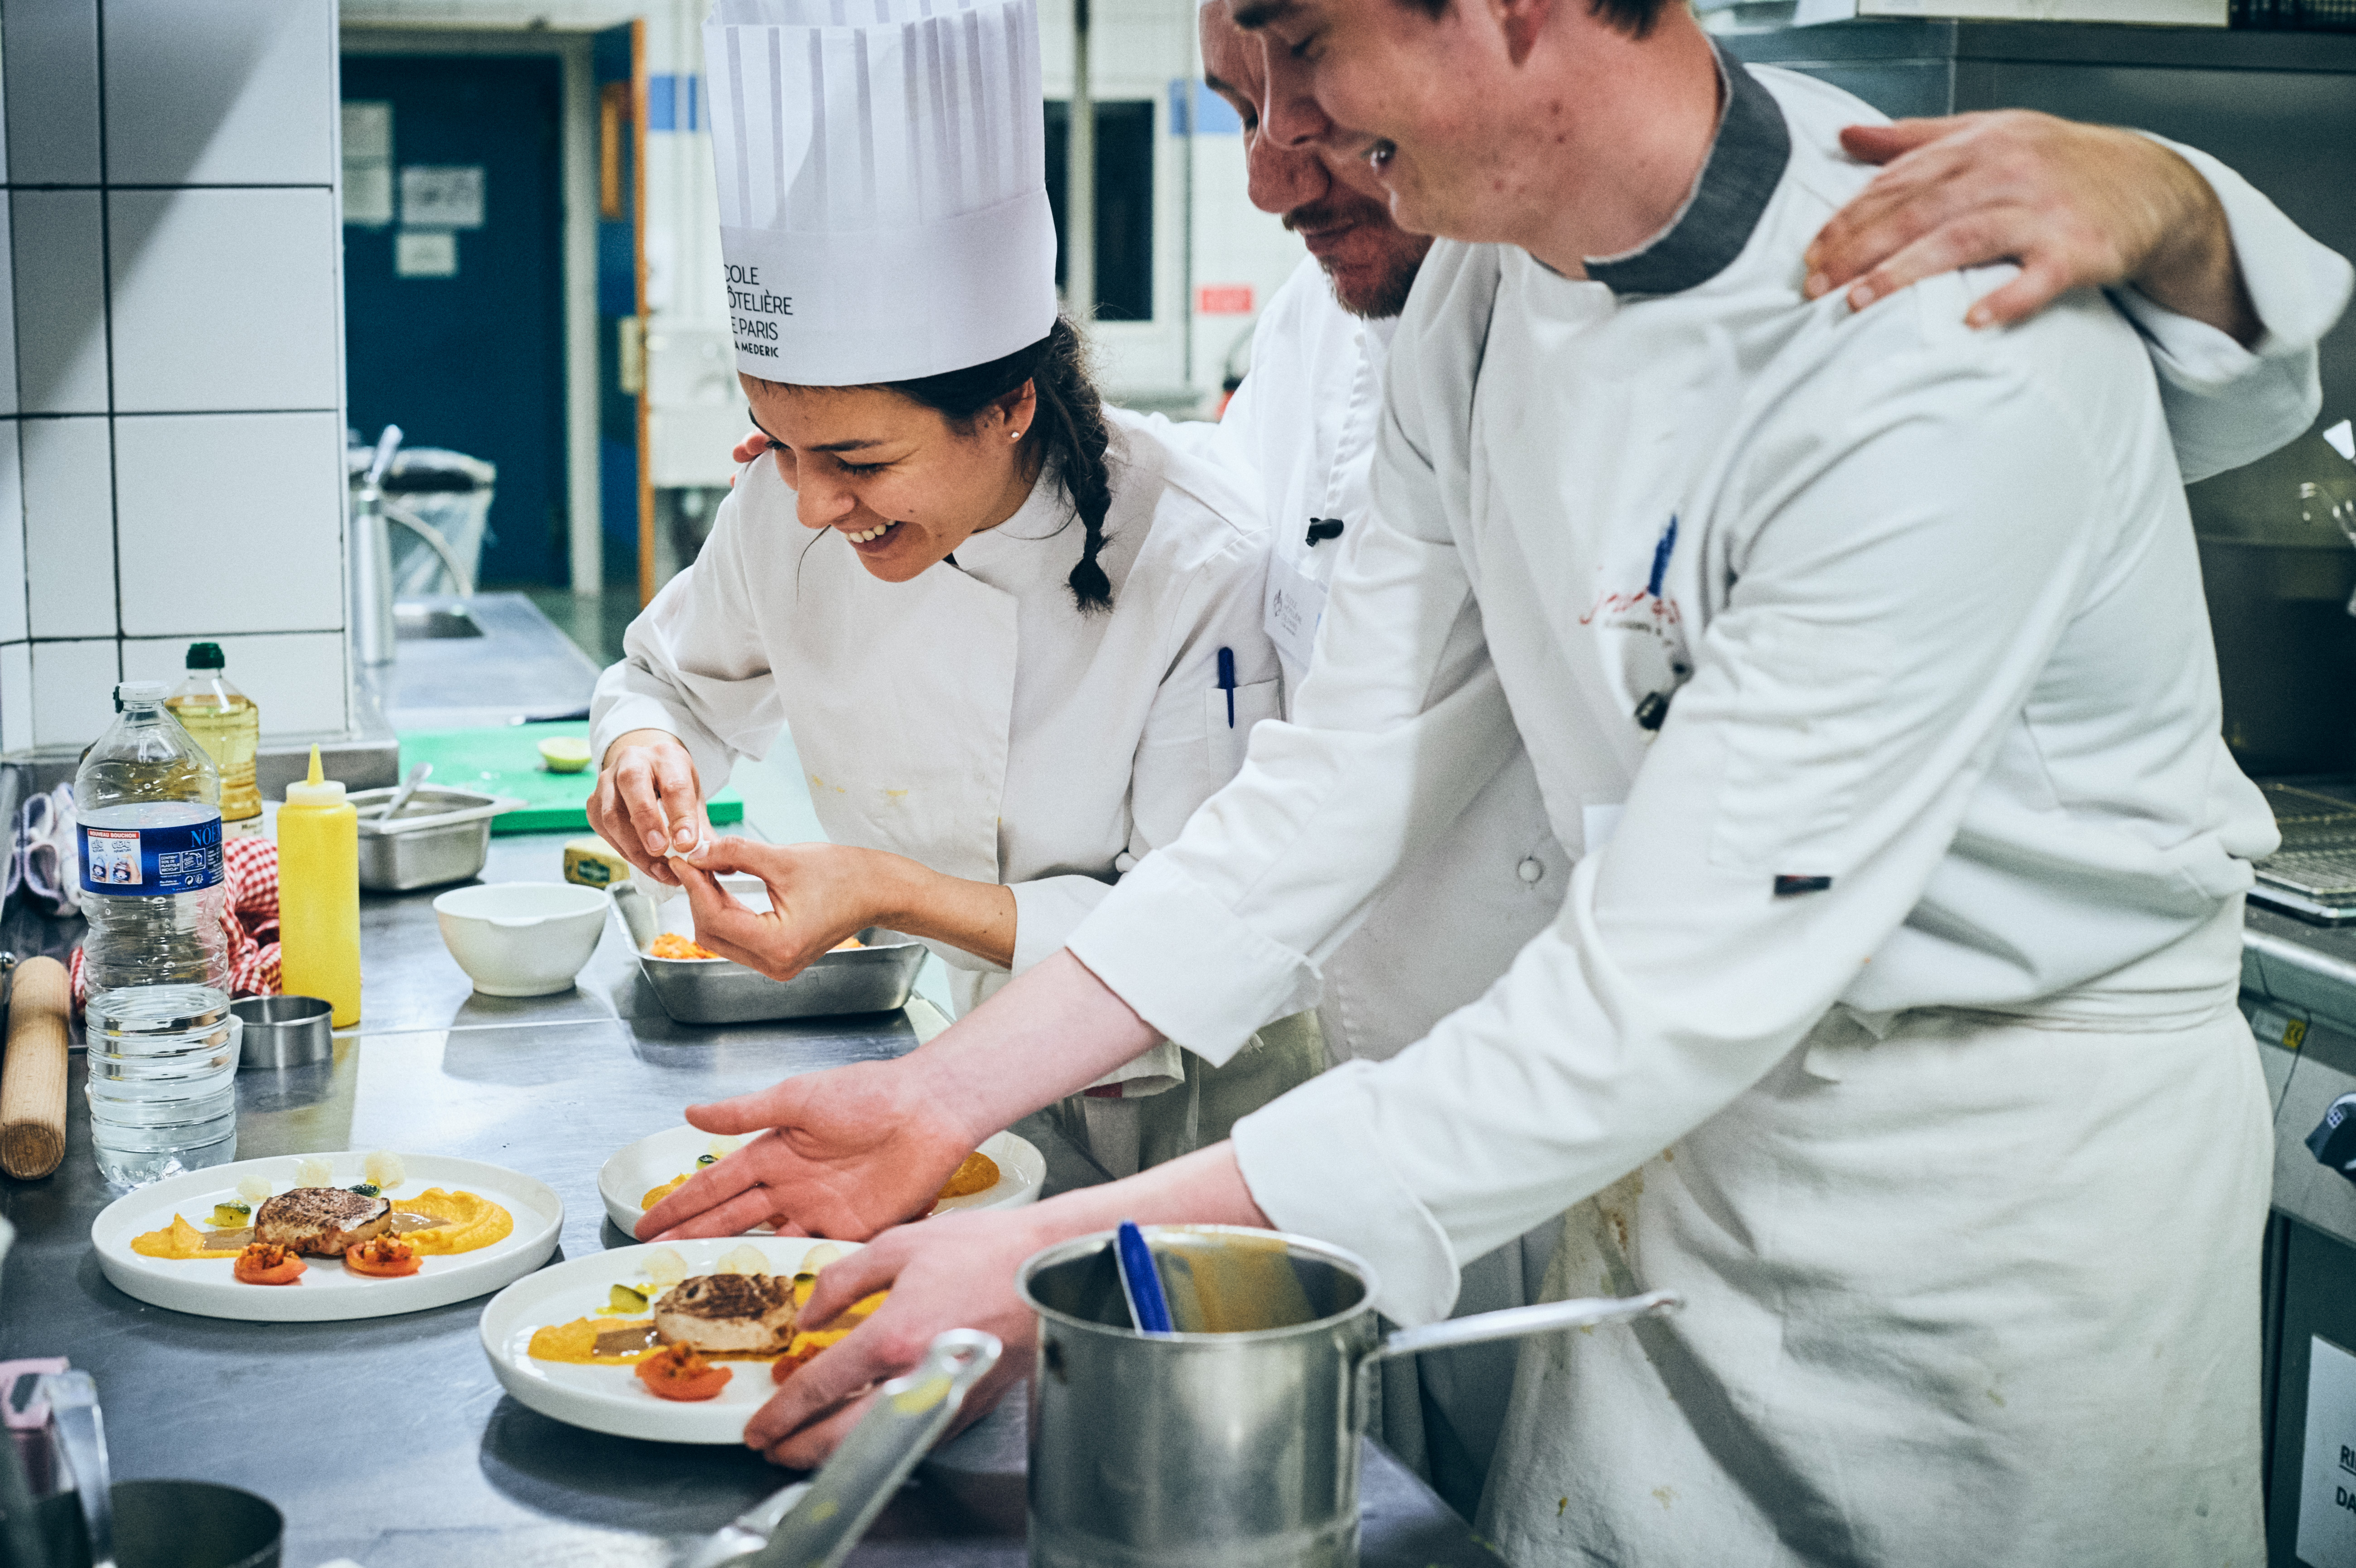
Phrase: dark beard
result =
(1386, 298)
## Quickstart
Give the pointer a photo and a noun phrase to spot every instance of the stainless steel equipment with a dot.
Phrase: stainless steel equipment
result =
(284, 1032)
(2262, 101)
(2278, 568)
(815, 1523)
(877, 977)
(371, 560)
(168, 1524)
(441, 836)
(1236, 1448)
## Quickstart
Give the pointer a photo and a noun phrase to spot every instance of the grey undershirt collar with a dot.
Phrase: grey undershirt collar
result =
(1746, 162)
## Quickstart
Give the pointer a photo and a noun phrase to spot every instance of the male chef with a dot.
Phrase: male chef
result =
(1894, 1017)
(2084, 204)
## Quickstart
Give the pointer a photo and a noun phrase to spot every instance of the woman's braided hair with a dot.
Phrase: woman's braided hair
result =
(1070, 425)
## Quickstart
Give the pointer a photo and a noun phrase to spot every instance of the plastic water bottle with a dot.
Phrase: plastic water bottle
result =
(162, 1043)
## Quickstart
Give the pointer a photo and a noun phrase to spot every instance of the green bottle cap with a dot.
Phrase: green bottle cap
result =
(206, 655)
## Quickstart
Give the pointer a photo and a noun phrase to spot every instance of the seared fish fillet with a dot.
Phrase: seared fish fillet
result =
(321, 1220)
(742, 1313)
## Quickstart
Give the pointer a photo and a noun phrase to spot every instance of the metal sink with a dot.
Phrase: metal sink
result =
(466, 663)
(417, 622)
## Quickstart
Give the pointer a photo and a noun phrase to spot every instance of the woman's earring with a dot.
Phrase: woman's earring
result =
(1014, 436)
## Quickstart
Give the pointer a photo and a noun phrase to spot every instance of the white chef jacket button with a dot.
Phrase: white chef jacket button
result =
(1124, 862)
(1529, 870)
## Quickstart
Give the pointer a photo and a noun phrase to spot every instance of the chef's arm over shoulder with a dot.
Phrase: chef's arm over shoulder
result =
(2231, 401)
(1844, 704)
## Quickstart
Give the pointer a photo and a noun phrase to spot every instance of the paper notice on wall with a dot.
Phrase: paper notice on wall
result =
(2327, 1493)
(368, 164)
(435, 197)
(367, 131)
(428, 253)
(367, 194)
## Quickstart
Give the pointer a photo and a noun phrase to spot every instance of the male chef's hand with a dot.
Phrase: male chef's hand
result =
(959, 1272)
(757, 442)
(843, 1153)
(2077, 206)
(818, 894)
(956, 1271)
(647, 802)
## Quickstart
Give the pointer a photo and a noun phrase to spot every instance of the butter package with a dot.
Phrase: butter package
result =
(594, 863)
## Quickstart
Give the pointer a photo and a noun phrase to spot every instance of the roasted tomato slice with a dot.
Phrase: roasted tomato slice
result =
(677, 1372)
(262, 1264)
(786, 1365)
(386, 1257)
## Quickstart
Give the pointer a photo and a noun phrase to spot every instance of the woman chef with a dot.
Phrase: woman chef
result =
(1015, 636)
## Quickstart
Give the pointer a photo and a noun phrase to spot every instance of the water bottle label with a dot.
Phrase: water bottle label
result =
(152, 862)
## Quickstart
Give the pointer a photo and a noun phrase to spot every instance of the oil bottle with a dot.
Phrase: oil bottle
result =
(228, 725)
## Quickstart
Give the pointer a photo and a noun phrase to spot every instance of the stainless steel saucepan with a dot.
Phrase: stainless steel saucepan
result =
(1235, 1441)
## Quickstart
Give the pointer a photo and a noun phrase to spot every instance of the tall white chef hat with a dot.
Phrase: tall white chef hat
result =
(883, 184)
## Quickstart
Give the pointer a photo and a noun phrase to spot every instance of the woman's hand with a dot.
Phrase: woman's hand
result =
(956, 1271)
(647, 802)
(843, 1153)
(818, 894)
(2077, 206)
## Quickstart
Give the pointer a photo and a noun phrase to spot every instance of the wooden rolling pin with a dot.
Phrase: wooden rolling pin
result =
(33, 1075)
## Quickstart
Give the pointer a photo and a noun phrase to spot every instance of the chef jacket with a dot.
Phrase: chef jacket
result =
(973, 718)
(1469, 893)
(1879, 637)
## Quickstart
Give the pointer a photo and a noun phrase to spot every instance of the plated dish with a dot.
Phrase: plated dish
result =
(315, 1238)
(656, 1165)
(602, 1342)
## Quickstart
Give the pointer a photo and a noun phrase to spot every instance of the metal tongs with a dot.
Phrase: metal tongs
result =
(815, 1523)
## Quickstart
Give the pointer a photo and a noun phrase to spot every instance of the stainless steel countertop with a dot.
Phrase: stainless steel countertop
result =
(520, 667)
(389, 1440)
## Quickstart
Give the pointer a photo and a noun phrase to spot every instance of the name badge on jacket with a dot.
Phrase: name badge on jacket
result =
(1294, 604)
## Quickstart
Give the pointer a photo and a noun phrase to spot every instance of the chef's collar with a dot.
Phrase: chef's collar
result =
(1746, 162)
(999, 556)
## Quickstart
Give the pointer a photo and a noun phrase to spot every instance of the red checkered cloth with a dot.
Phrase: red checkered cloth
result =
(249, 919)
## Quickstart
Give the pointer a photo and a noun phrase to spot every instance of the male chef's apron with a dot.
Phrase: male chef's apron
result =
(1981, 1291)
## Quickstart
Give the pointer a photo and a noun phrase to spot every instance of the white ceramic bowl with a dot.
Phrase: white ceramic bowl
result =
(521, 939)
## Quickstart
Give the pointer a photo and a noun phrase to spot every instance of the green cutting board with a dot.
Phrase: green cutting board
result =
(505, 759)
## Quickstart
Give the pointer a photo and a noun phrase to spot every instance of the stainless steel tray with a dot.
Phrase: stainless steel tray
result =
(876, 978)
(2313, 875)
(442, 835)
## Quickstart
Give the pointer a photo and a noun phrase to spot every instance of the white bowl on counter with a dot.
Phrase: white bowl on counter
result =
(521, 939)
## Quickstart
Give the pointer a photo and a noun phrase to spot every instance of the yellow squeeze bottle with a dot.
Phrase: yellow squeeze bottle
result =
(319, 895)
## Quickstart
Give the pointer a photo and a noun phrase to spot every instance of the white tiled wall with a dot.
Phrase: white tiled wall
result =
(171, 358)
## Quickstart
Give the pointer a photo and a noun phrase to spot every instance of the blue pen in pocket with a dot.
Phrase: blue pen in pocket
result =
(1228, 682)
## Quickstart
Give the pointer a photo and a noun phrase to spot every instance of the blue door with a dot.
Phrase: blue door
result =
(454, 315)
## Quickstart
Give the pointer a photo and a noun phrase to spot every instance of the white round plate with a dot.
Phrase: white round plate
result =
(612, 1398)
(647, 1163)
(327, 1291)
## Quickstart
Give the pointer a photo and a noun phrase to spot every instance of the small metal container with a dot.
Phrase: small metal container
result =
(169, 1524)
(285, 1032)
(878, 977)
(442, 835)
